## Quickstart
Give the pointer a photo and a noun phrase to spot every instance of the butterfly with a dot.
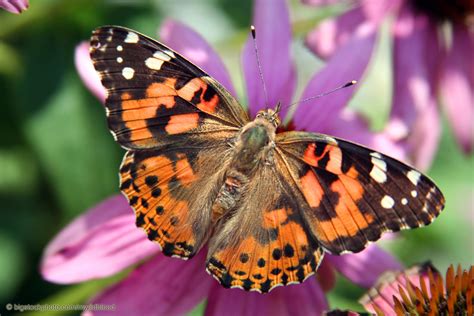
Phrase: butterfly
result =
(268, 205)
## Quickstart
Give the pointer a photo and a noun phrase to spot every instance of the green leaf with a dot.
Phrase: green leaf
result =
(74, 147)
(12, 266)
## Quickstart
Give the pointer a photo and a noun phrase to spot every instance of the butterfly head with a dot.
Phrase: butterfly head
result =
(270, 115)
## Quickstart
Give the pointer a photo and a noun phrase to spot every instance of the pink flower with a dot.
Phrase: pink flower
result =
(14, 6)
(420, 290)
(425, 64)
(105, 240)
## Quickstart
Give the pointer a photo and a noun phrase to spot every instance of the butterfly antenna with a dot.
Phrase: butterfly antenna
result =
(348, 84)
(259, 65)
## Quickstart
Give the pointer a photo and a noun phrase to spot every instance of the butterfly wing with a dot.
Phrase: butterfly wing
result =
(356, 194)
(172, 190)
(265, 241)
(176, 122)
(154, 95)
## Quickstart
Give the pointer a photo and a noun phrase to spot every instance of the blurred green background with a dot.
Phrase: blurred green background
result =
(57, 157)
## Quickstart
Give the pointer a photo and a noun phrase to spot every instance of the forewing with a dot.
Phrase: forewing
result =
(356, 194)
(172, 191)
(154, 95)
(265, 241)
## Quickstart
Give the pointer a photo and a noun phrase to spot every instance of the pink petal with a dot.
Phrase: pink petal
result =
(424, 140)
(320, 2)
(14, 6)
(326, 276)
(302, 299)
(161, 286)
(99, 243)
(348, 63)
(364, 268)
(86, 71)
(457, 86)
(190, 44)
(382, 294)
(415, 58)
(330, 34)
(273, 29)
(351, 126)
(333, 33)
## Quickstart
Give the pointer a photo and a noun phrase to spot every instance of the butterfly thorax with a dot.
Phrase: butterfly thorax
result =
(253, 144)
(253, 148)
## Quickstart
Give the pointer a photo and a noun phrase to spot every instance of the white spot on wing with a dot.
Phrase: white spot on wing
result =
(154, 63)
(119, 60)
(404, 201)
(128, 73)
(378, 170)
(330, 140)
(162, 56)
(170, 53)
(376, 155)
(119, 48)
(380, 163)
(425, 208)
(414, 193)
(102, 48)
(378, 175)
(131, 38)
(414, 176)
(387, 202)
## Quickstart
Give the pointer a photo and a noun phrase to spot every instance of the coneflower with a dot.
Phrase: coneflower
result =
(421, 291)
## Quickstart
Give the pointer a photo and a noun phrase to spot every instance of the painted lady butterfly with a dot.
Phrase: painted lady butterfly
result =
(198, 170)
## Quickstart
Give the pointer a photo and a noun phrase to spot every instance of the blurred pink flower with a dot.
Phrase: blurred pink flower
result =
(87, 72)
(105, 240)
(14, 6)
(425, 63)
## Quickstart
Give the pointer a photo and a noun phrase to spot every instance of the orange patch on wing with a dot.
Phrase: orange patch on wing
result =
(328, 232)
(312, 189)
(170, 224)
(352, 173)
(352, 186)
(160, 89)
(309, 156)
(356, 192)
(335, 157)
(347, 210)
(126, 96)
(291, 235)
(168, 102)
(184, 172)
(189, 90)
(350, 220)
(275, 218)
(208, 106)
(335, 160)
(182, 123)
(138, 130)
(139, 114)
(140, 103)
